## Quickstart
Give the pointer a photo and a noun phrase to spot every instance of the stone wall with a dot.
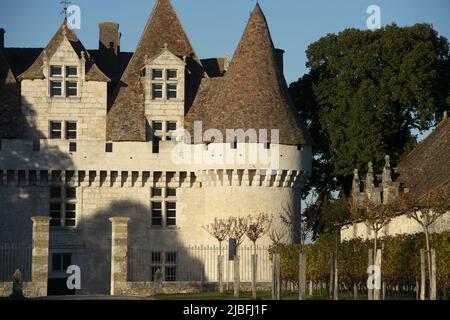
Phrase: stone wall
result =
(398, 226)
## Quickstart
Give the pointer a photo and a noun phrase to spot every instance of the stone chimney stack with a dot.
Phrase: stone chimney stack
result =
(279, 53)
(2, 38)
(109, 40)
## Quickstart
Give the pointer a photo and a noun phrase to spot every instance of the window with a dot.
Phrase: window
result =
(157, 91)
(170, 269)
(171, 192)
(72, 147)
(56, 88)
(156, 263)
(71, 193)
(171, 130)
(157, 126)
(63, 206)
(109, 147)
(156, 213)
(156, 192)
(172, 74)
(55, 214)
(55, 193)
(157, 74)
(72, 89)
(155, 145)
(171, 91)
(61, 261)
(234, 145)
(56, 71)
(171, 213)
(71, 130)
(55, 129)
(71, 71)
(70, 212)
(63, 81)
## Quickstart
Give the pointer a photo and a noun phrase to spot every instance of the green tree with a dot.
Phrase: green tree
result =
(366, 94)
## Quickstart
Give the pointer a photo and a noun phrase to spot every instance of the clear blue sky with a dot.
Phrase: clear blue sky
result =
(215, 26)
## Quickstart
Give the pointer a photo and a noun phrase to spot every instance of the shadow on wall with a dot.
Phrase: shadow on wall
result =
(95, 258)
(26, 171)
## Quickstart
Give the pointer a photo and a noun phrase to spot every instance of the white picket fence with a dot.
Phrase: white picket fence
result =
(197, 263)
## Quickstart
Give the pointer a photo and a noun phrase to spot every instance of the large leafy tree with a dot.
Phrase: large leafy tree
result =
(366, 95)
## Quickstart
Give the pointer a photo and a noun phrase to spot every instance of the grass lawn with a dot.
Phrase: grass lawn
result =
(262, 295)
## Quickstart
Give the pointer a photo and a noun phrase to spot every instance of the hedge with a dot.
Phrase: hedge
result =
(400, 262)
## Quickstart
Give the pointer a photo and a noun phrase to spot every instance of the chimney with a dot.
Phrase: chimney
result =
(2, 38)
(279, 55)
(109, 40)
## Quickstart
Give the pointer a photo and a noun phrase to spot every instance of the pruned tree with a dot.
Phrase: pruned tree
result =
(297, 223)
(220, 230)
(238, 229)
(257, 227)
(426, 210)
(375, 215)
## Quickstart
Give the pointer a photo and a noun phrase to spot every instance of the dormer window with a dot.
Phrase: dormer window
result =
(157, 74)
(56, 71)
(64, 81)
(164, 84)
(171, 91)
(172, 74)
(72, 71)
(157, 91)
(56, 88)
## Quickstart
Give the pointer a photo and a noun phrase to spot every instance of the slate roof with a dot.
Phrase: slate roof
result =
(35, 71)
(253, 93)
(427, 167)
(126, 117)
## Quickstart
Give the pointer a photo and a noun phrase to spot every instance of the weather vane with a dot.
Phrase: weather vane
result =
(66, 4)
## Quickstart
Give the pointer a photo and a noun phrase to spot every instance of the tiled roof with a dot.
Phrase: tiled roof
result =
(11, 119)
(427, 167)
(126, 117)
(35, 71)
(253, 93)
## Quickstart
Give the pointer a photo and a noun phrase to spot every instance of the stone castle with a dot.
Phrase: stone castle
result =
(90, 135)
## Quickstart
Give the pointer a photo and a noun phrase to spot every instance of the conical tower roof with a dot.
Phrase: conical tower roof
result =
(253, 94)
(126, 117)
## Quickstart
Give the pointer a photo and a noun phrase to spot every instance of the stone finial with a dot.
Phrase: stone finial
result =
(356, 182)
(387, 172)
(166, 46)
(146, 59)
(17, 289)
(227, 62)
(83, 56)
(64, 31)
(370, 182)
(445, 115)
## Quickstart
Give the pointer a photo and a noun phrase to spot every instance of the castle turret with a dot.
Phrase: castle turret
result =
(253, 93)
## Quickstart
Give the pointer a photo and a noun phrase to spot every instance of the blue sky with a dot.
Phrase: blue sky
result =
(215, 26)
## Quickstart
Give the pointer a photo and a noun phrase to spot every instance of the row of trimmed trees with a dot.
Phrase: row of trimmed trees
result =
(237, 229)
(401, 266)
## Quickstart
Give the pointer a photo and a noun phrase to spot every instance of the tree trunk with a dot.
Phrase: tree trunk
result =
(302, 276)
(433, 285)
(422, 275)
(237, 278)
(427, 239)
(331, 275)
(254, 271)
(336, 279)
(370, 291)
(220, 268)
(276, 277)
(355, 291)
